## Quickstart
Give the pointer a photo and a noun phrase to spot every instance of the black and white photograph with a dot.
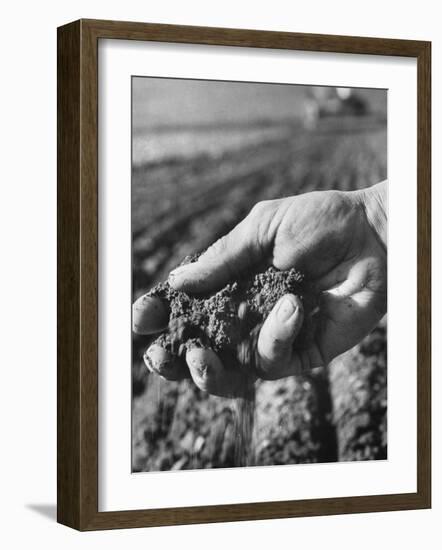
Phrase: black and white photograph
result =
(220, 241)
(259, 273)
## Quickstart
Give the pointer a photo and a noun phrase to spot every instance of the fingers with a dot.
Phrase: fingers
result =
(277, 356)
(160, 361)
(150, 314)
(203, 365)
(210, 375)
(224, 261)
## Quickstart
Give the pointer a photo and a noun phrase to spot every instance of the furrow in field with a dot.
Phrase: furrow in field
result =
(195, 226)
(183, 207)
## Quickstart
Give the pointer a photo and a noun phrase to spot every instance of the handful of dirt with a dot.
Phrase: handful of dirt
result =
(229, 321)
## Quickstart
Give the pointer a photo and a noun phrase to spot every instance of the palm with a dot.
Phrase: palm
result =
(333, 244)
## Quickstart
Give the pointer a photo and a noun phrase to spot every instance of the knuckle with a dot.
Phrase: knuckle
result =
(216, 249)
(264, 221)
(261, 207)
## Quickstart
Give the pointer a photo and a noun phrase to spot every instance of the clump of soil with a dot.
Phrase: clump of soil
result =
(224, 321)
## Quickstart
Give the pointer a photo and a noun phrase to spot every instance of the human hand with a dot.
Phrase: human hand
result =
(337, 239)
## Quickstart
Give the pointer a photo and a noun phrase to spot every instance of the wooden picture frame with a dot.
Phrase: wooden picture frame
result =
(77, 458)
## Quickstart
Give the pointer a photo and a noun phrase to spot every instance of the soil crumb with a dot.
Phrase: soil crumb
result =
(224, 321)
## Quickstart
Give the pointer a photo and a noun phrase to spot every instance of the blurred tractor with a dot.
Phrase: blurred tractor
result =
(328, 101)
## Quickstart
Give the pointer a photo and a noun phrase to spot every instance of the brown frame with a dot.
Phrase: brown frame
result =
(77, 458)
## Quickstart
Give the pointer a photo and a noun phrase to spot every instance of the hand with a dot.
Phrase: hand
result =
(337, 239)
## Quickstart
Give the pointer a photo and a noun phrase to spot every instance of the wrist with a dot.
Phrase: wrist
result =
(374, 202)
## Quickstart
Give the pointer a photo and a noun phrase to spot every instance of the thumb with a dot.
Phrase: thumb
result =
(275, 341)
(224, 261)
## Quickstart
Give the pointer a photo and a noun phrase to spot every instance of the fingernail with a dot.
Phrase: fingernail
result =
(178, 271)
(201, 368)
(159, 361)
(204, 365)
(148, 361)
(150, 314)
(286, 309)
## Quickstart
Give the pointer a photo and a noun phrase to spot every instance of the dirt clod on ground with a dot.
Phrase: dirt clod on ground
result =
(222, 321)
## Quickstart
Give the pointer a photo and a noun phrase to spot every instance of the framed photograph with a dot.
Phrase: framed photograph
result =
(239, 213)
